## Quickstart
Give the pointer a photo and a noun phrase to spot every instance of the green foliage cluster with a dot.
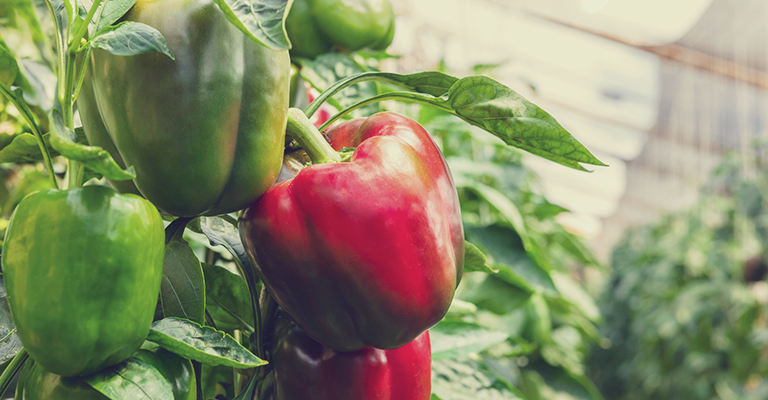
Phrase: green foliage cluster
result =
(683, 321)
(521, 324)
(534, 298)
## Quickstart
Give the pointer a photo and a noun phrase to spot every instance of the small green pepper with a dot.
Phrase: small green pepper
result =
(315, 26)
(82, 269)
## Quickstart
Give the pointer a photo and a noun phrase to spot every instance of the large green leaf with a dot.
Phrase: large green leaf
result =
(8, 66)
(38, 82)
(503, 246)
(497, 109)
(261, 20)
(509, 211)
(222, 233)
(454, 339)
(64, 140)
(133, 379)
(227, 299)
(111, 12)
(486, 103)
(23, 148)
(130, 38)
(201, 343)
(469, 379)
(495, 294)
(493, 107)
(330, 68)
(182, 291)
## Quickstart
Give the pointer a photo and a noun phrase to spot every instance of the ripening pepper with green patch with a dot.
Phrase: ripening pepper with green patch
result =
(205, 132)
(317, 26)
(82, 268)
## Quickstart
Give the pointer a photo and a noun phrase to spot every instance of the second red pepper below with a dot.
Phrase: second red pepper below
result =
(307, 370)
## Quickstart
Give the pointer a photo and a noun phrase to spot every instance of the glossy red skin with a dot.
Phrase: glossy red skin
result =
(307, 370)
(367, 252)
(353, 132)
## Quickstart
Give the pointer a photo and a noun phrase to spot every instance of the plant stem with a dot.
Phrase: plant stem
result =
(12, 369)
(309, 138)
(66, 51)
(18, 101)
(81, 74)
(74, 43)
(80, 179)
(62, 66)
(66, 97)
(61, 50)
(269, 312)
(66, 108)
(235, 375)
(402, 96)
(385, 77)
(198, 368)
(246, 271)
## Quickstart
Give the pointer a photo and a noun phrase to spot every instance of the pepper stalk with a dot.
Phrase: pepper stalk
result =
(310, 139)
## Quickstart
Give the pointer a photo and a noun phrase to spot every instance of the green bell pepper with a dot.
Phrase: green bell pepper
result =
(35, 383)
(205, 132)
(315, 26)
(82, 269)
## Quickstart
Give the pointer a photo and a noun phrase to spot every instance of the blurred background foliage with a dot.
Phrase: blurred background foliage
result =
(685, 308)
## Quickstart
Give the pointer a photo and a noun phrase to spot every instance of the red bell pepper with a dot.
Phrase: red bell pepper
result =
(366, 252)
(307, 370)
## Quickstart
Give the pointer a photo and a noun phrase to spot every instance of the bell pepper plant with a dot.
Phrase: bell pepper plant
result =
(182, 106)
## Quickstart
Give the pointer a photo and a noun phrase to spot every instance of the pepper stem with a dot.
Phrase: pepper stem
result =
(12, 369)
(17, 99)
(309, 138)
(400, 96)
